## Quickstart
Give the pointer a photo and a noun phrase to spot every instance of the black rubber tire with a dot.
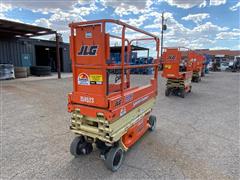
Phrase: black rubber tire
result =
(80, 147)
(40, 70)
(167, 92)
(114, 158)
(190, 89)
(152, 122)
(182, 93)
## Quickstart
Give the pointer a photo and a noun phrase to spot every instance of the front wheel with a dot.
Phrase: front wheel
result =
(190, 89)
(114, 158)
(152, 122)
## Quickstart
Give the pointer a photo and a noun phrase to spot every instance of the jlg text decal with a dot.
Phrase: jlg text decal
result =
(88, 50)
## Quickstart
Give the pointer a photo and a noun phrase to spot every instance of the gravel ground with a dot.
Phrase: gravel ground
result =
(196, 137)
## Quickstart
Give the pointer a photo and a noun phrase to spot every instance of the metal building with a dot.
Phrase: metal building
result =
(18, 48)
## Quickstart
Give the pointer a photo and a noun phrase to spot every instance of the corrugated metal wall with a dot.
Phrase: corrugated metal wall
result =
(11, 51)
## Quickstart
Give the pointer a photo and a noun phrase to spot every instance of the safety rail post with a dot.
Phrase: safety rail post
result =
(122, 59)
(128, 62)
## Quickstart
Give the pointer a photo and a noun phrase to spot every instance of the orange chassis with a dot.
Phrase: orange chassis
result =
(111, 115)
(178, 77)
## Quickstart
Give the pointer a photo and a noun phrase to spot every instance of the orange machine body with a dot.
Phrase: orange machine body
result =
(93, 94)
(198, 61)
(172, 58)
(177, 69)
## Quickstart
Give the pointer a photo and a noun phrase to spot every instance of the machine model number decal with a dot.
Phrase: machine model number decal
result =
(87, 99)
(86, 50)
(83, 79)
(140, 101)
(96, 79)
(171, 57)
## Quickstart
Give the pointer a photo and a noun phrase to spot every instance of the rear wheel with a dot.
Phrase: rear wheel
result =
(114, 158)
(152, 122)
(182, 93)
(167, 92)
(80, 147)
(199, 79)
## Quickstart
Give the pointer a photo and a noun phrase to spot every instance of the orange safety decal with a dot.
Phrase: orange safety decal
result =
(83, 79)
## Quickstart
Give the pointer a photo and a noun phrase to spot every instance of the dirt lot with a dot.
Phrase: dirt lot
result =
(196, 137)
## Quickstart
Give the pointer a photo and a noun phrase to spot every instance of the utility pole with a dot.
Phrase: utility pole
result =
(162, 32)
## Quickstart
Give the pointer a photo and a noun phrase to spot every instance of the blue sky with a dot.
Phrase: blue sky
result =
(210, 24)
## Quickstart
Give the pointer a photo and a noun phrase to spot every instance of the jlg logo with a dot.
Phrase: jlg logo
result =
(88, 50)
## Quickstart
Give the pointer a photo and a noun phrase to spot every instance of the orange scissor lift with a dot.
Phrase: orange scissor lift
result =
(177, 68)
(113, 116)
(197, 66)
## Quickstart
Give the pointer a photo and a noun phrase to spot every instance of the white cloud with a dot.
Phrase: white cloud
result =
(235, 34)
(209, 27)
(42, 5)
(137, 22)
(219, 48)
(201, 36)
(43, 22)
(5, 7)
(235, 7)
(186, 4)
(197, 18)
(217, 2)
(82, 7)
(84, 10)
(126, 7)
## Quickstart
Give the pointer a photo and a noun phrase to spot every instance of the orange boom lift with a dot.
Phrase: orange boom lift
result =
(177, 69)
(111, 115)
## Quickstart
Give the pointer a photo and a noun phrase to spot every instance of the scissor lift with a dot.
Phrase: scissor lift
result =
(177, 68)
(111, 115)
(198, 67)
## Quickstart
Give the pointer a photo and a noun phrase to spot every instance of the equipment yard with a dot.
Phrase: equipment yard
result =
(196, 137)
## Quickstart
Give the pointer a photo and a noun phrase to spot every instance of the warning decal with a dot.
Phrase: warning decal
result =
(167, 66)
(83, 79)
(96, 79)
